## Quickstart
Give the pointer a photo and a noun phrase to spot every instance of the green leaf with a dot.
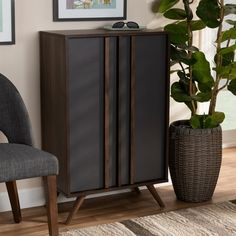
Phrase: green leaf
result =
(223, 71)
(231, 22)
(214, 120)
(175, 14)
(232, 87)
(178, 93)
(227, 72)
(232, 75)
(207, 121)
(181, 56)
(227, 50)
(202, 71)
(230, 9)
(202, 97)
(205, 87)
(228, 34)
(176, 28)
(163, 5)
(198, 25)
(178, 33)
(218, 117)
(176, 54)
(196, 122)
(183, 78)
(184, 81)
(209, 12)
(227, 58)
(195, 24)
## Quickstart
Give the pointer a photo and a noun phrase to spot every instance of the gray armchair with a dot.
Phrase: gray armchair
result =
(18, 159)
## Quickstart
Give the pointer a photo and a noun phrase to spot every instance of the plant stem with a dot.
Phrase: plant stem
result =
(218, 61)
(224, 86)
(182, 67)
(190, 44)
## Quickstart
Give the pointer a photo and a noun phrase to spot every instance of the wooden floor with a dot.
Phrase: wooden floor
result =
(117, 207)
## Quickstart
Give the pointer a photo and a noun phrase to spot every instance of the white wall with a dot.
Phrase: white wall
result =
(20, 63)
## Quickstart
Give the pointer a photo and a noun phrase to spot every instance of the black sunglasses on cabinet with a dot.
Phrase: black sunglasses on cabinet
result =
(129, 24)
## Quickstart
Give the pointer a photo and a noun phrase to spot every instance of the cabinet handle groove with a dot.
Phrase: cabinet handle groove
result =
(133, 111)
(107, 112)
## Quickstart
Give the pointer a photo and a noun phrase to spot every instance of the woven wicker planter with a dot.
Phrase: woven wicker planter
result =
(194, 161)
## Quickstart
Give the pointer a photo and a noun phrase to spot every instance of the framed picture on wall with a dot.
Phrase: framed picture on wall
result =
(84, 10)
(7, 22)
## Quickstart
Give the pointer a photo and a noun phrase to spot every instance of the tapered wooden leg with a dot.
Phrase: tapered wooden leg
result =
(78, 202)
(14, 200)
(51, 202)
(156, 196)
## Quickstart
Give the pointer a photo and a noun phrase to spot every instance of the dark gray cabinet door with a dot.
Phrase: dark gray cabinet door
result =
(86, 78)
(148, 107)
(137, 110)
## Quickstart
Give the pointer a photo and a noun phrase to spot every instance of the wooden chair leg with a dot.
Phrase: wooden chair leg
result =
(14, 200)
(51, 202)
(156, 196)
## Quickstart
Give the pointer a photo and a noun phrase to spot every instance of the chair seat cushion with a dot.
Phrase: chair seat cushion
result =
(18, 161)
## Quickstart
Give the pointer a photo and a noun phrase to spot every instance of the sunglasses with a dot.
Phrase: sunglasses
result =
(121, 24)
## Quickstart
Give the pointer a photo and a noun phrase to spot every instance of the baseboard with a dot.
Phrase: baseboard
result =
(229, 139)
(28, 198)
(34, 197)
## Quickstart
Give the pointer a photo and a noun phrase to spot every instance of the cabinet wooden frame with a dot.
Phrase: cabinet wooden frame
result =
(55, 103)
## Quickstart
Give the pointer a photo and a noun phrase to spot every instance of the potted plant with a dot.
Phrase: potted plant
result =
(196, 144)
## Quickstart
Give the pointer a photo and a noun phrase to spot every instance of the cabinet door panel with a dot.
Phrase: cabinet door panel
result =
(86, 74)
(149, 89)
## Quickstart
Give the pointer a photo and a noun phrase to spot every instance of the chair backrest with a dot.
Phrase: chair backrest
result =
(14, 118)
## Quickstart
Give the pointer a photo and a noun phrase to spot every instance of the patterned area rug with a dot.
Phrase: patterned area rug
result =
(214, 219)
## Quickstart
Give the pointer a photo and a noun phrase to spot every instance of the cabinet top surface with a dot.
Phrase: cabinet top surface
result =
(101, 32)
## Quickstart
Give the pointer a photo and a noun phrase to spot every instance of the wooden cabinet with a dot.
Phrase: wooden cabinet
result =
(105, 105)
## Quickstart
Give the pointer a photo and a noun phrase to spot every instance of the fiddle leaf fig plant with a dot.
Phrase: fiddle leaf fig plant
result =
(198, 81)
